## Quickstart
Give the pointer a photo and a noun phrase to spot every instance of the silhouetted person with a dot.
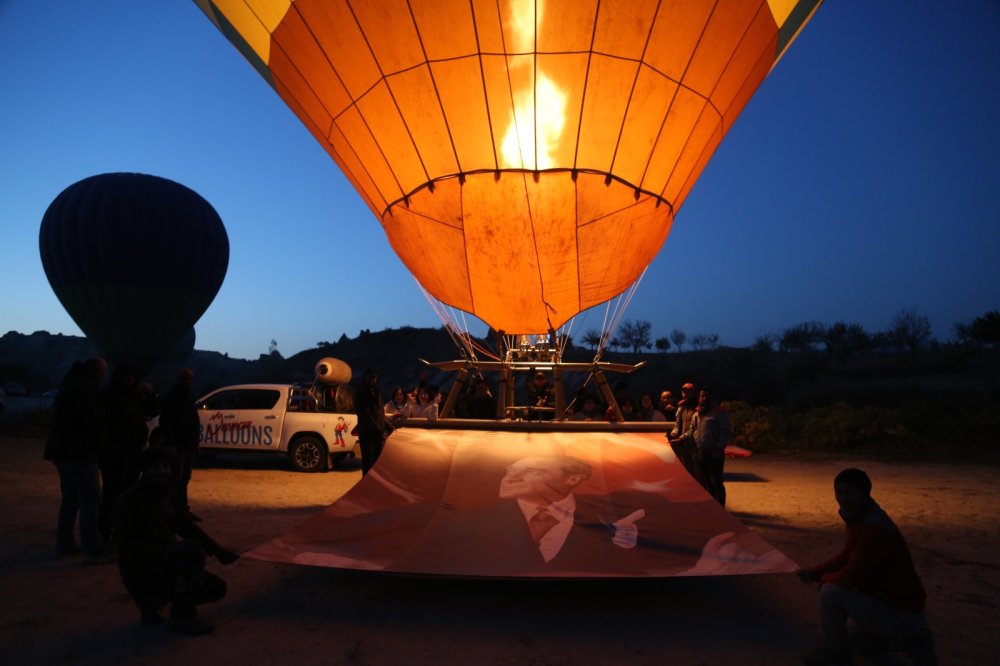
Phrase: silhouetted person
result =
(872, 581)
(161, 550)
(711, 431)
(181, 430)
(125, 412)
(75, 445)
(480, 403)
(372, 426)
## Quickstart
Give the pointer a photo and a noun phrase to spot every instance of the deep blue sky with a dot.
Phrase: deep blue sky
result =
(863, 178)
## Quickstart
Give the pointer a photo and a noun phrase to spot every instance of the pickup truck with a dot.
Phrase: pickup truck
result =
(283, 419)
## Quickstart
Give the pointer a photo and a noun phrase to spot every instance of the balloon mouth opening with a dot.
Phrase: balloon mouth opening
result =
(536, 175)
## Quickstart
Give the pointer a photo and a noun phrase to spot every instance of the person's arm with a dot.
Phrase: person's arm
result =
(858, 565)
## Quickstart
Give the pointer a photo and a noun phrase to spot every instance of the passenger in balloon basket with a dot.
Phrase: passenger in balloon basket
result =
(126, 410)
(76, 445)
(710, 430)
(181, 430)
(647, 409)
(479, 402)
(373, 429)
(425, 406)
(539, 396)
(667, 406)
(871, 581)
(680, 438)
(162, 551)
(589, 409)
(396, 404)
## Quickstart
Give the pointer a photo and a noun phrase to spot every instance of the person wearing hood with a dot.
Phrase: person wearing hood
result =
(872, 581)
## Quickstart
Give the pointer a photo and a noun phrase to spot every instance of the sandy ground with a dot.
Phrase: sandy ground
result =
(60, 612)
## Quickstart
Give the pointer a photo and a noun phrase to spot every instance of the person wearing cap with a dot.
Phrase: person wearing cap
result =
(162, 551)
(872, 581)
(680, 437)
(373, 429)
(539, 394)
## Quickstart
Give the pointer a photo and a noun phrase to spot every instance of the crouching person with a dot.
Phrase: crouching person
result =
(161, 552)
(872, 581)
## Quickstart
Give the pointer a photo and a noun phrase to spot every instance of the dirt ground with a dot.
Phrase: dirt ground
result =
(60, 612)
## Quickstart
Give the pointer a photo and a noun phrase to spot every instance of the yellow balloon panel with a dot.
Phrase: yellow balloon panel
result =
(542, 147)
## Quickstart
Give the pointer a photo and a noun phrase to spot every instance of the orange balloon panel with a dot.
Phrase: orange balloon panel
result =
(526, 158)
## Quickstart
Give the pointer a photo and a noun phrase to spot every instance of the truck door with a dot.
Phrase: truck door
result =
(247, 419)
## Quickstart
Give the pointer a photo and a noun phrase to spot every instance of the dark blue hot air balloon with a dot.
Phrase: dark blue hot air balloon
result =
(135, 260)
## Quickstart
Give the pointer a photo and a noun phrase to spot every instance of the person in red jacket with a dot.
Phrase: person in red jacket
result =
(872, 581)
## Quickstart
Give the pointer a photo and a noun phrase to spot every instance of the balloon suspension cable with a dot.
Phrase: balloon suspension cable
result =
(457, 327)
(613, 313)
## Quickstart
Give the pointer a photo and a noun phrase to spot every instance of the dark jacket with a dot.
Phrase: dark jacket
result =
(371, 416)
(179, 421)
(149, 525)
(77, 432)
(875, 560)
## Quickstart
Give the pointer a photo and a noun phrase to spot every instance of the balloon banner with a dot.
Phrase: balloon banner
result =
(528, 504)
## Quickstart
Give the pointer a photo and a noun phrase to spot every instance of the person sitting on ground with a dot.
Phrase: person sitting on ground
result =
(161, 551)
(872, 581)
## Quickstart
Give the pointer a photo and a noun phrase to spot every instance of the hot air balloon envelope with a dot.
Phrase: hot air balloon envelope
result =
(526, 158)
(135, 260)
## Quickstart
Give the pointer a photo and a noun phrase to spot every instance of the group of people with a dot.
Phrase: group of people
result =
(130, 499)
(140, 515)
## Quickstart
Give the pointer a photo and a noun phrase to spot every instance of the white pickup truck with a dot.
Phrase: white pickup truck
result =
(278, 419)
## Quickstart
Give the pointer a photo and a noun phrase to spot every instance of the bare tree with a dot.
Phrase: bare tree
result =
(846, 339)
(698, 341)
(678, 337)
(635, 335)
(764, 342)
(802, 337)
(592, 338)
(910, 329)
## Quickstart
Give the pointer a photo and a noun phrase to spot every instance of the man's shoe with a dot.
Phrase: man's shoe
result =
(192, 627)
(68, 551)
(824, 655)
(102, 557)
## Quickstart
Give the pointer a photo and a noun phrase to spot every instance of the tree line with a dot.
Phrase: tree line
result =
(909, 330)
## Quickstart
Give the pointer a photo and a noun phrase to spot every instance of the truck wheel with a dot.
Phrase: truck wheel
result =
(308, 454)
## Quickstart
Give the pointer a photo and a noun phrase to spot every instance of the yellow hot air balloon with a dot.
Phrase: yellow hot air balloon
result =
(526, 158)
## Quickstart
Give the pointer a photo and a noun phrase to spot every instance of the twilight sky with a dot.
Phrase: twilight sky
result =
(862, 179)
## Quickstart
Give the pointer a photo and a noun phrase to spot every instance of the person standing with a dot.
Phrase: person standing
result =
(125, 413)
(372, 426)
(680, 437)
(75, 446)
(710, 431)
(181, 430)
(872, 581)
